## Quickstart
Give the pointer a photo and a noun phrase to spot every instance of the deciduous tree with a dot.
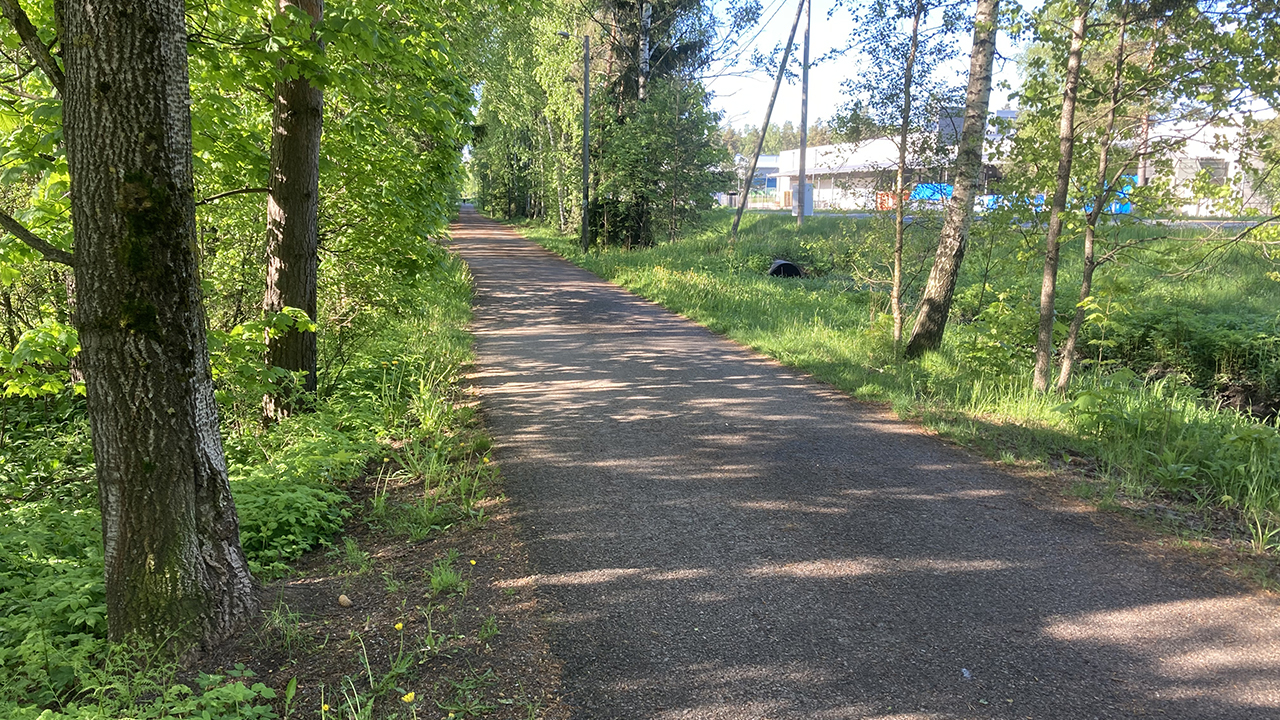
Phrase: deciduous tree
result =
(1062, 185)
(293, 208)
(935, 303)
(174, 566)
(899, 97)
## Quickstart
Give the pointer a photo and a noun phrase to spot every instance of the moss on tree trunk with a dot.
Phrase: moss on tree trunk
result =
(175, 571)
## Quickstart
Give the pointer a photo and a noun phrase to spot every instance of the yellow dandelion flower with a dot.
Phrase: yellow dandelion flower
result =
(324, 708)
(408, 697)
(473, 562)
(399, 626)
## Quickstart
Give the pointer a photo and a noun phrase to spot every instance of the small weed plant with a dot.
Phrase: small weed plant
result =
(488, 629)
(282, 628)
(445, 579)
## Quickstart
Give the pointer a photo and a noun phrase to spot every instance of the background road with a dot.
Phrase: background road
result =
(720, 537)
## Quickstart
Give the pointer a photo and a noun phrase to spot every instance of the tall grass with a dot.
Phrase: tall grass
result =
(1152, 433)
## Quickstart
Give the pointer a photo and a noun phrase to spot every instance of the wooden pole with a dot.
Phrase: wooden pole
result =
(586, 143)
(803, 191)
(768, 113)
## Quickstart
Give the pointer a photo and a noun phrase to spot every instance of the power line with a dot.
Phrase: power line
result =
(777, 7)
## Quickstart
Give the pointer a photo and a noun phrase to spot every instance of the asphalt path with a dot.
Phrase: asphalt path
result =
(720, 537)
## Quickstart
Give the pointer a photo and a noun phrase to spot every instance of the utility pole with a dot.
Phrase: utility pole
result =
(768, 113)
(802, 191)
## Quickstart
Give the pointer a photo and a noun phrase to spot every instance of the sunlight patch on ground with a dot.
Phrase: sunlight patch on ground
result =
(911, 494)
(1229, 646)
(605, 575)
(790, 506)
(856, 567)
(560, 389)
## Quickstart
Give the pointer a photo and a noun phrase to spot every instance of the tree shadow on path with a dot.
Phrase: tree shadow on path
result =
(722, 538)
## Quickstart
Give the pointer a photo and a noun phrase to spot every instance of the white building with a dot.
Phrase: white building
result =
(1212, 150)
(763, 187)
(860, 176)
(847, 176)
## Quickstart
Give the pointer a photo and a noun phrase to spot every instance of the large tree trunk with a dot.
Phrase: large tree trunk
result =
(174, 567)
(1066, 154)
(900, 185)
(1105, 191)
(293, 210)
(935, 304)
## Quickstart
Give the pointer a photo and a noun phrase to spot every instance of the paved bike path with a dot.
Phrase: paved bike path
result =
(720, 537)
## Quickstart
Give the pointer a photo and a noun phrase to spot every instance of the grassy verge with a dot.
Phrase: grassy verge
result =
(376, 523)
(1140, 436)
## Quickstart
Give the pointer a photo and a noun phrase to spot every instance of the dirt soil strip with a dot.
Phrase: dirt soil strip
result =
(720, 537)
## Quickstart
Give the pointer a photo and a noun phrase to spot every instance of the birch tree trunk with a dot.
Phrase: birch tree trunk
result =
(559, 174)
(293, 212)
(646, 20)
(1066, 154)
(1100, 200)
(175, 571)
(935, 303)
(900, 218)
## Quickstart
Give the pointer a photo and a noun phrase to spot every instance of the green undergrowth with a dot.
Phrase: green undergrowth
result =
(392, 395)
(1141, 414)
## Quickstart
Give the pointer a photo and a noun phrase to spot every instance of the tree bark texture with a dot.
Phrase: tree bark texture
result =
(1105, 191)
(293, 212)
(175, 571)
(900, 185)
(1066, 154)
(935, 303)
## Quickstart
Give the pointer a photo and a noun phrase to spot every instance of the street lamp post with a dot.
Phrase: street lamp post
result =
(586, 138)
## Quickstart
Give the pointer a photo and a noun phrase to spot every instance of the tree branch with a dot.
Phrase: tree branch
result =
(49, 252)
(31, 41)
(1238, 238)
(228, 193)
(1114, 252)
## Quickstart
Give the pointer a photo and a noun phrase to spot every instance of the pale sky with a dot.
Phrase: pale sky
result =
(743, 93)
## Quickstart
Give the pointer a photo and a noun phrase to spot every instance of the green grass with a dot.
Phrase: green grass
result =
(445, 579)
(391, 394)
(1153, 430)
